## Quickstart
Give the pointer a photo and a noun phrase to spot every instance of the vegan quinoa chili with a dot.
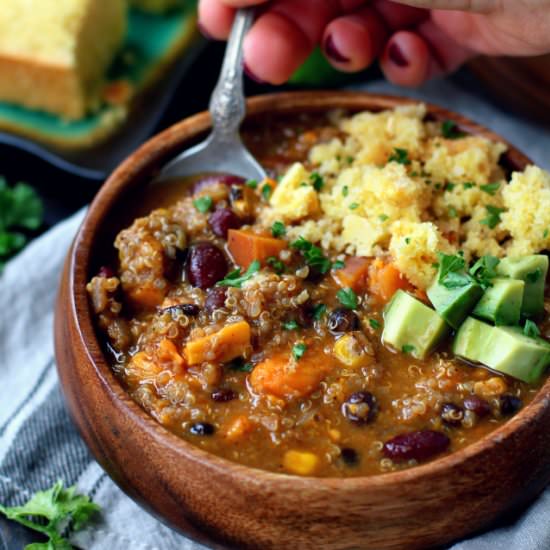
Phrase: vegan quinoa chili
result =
(339, 318)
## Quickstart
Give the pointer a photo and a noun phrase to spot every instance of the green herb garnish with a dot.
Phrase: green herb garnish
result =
(278, 229)
(203, 204)
(345, 191)
(493, 219)
(408, 348)
(484, 270)
(407, 240)
(383, 217)
(490, 188)
(449, 186)
(400, 156)
(545, 234)
(452, 212)
(253, 184)
(298, 351)
(353, 205)
(530, 329)
(338, 264)
(291, 325)
(53, 513)
(468, 185)
(236, 279)
(318, 311)
(266, 191)
(451, 271)
(313, 255)
(374, 324)
(317, 181)
(349, 160)
(240, 365)
(450, 130)
(276, 264)
(347, 298)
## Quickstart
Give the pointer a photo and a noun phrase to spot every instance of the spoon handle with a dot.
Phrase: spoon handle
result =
(227, 105)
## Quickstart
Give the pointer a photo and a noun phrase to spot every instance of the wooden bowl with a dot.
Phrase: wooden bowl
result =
(220, 502)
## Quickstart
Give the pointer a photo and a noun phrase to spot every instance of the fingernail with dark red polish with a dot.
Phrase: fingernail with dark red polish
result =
(332, 51)
(251, 75)
(204, 32)
(396, 55)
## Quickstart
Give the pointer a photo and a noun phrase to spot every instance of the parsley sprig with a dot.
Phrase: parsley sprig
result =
(454, 272)
(347, 297)
(449, 130)
(51, 513)
(312, 254)
(235, 278)
(401, 156)
(493, 218)
(20, 209)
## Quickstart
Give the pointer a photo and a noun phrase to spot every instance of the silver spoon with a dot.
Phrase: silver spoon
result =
(223, 149)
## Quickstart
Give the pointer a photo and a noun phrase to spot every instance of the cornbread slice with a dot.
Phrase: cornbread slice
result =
(54, 53)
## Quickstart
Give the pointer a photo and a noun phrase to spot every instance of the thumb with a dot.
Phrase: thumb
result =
(480, 6)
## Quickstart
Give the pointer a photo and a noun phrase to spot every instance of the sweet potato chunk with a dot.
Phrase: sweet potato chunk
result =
(245, 247)
(228, 343)
(281, 376)
(354, 274)
(385, 280)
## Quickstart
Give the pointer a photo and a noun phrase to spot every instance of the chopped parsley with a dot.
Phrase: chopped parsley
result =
(490, 188)
(449, 186)
(278, 229)
(383, 217)
(203, 204)
(452, 212)
(530, 329)
(54, 513)
(353, 205)
(347, 298)
(468, 185)
(317, 181)
(276, 264)
(345, 191)
(349, 160)
(253, 184)
(236, 279)
(534, 276)
(449, 130)
(408, 348)
(291, 325)
(374, 324)
(493, 218)
(400, 156)
(407, 240)
(484, 270)
(240, 365)
(545, 234)
(451, 271)
(338, 264)
(266, 191)
(318, 311)
(298, 351)
(313, 255)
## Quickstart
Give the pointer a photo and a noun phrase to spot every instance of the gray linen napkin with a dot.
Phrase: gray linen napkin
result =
(38, 443)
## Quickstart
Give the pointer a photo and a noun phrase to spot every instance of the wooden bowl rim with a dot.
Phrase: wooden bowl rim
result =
(143, 160)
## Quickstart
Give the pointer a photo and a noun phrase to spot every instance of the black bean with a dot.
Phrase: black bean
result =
(509, 404)
(215, 299)
(315, 274)
(451, 414)
(202, 428)
(418, 446)
(222, 220)
(224, 179)
(236, 193)
(223, 395)
(304, 314)
(349, 456)
(477, 405)
(360, 407)
(206, 265)
(342, 320)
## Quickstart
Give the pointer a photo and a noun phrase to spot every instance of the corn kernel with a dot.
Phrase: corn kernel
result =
(490, 388)
(334, 435)
(300, 462)
(349, 351)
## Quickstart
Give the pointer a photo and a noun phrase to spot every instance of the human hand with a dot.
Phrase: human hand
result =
(413, 40)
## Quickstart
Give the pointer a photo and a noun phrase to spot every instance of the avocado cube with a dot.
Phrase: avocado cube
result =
(454, 304)
(411, 326)
(532, 270)
(471, 339)
(501, 303)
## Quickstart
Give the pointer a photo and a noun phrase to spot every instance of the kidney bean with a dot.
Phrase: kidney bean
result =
(225, 179)
(202, 428)
(509, 404)
(222, 220)
(360, 407)
(215, 299)
(349, 456)
(206, 265)
(223, 395)
(342, 320)
(451, 414)
(478, 406)
(419, 446)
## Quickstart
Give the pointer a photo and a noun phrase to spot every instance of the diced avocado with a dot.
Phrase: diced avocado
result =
(471, 339)
(411, 326)
(501, 303)
(454, 304)
(532, 270)
(503, 349)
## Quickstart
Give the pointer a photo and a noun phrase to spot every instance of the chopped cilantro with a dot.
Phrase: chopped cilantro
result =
(353, 205)
(54, 513)
(383, 217)
(253, 184)
(533, 276)
(298, 351)
(545, 234)
(278, 229)
(468, 185)
(338, 264)
(266, 191)
(449, 186)
(490, 188)
(437, 186)
(452, 212)
(400, 156)
(408, 348)
(313, 255)
(374, 323)
(235, 279)
(407, 240)
(493, 219)
(347, 298)
(291, 325)
(450, 130)
(349, 160)
(451, 271)
(317, 181)
(203, 204)
(318, 311)
(530, 329)
(240, 365)
(345, 191)
(276, 264)
(484, 270)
